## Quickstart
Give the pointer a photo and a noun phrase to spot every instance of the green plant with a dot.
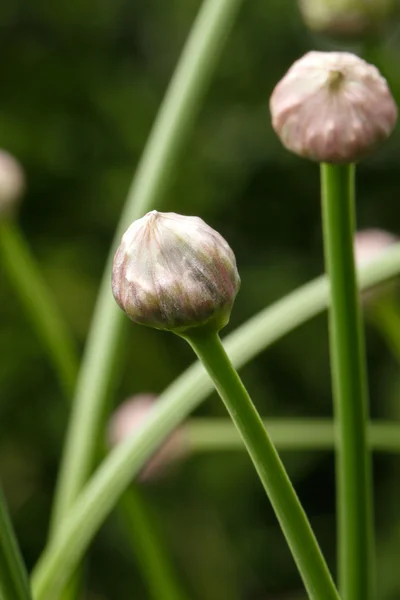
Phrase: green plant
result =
(83, 498)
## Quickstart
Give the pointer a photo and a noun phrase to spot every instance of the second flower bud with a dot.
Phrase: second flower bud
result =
(175, 273)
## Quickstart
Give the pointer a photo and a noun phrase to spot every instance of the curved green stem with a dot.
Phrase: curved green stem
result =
(14, 583)
(115, 474)
(38, 303)
(219, 435)
(287, 507)
(353, 469)
(170, 132)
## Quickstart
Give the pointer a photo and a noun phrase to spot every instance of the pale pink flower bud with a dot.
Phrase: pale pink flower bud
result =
(332, 107)
(347, 18)
(12, 183)
(369, 244)
(128, 419)
(175, 273)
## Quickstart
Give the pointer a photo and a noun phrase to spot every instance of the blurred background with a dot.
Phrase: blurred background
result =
(80, 85)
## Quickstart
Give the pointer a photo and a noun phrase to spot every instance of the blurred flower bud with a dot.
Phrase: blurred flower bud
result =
(175, 273)
(127, 420)
(369, 244)
(12, 183)
(347, 18)
(332, 107)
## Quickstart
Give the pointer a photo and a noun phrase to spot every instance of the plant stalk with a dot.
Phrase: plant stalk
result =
(39, 304)
(349, 383)
(291, 516)
(53, 332)
(148, 547)
(159, 161)
(203, 435)
(115, 474)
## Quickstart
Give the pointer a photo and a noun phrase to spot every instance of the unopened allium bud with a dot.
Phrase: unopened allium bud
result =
(12, 183)
(346, 17)
(175, 273)
(128, 419)
(332, 107)
(369, 244)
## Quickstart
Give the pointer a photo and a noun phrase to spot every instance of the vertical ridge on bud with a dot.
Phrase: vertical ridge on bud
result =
(175, 272)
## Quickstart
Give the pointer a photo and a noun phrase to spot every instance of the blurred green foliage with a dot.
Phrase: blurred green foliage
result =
(80, 87)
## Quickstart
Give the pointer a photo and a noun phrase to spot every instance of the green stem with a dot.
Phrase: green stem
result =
(14, 583)
(147, 545)
(216, 435)
(116, 472)
(353, 470)
(287, 507)
(38, 303)
(159, 161)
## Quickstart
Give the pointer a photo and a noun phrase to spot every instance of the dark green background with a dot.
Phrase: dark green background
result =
(80, 85)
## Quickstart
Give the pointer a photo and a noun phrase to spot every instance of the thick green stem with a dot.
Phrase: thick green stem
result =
(38, 303)
(115, 473)
(353, 469)
(294, 523)
(288, 435)
(14, 583)
(169, 134)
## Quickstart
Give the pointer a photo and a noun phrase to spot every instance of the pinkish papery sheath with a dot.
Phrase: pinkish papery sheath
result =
(332, 107)
(175, 272)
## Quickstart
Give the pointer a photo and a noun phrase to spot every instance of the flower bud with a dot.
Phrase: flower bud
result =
(12, 183)
(346, 18)
(127, 420)
(332, 107)
(175, 273)
(369, 244)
